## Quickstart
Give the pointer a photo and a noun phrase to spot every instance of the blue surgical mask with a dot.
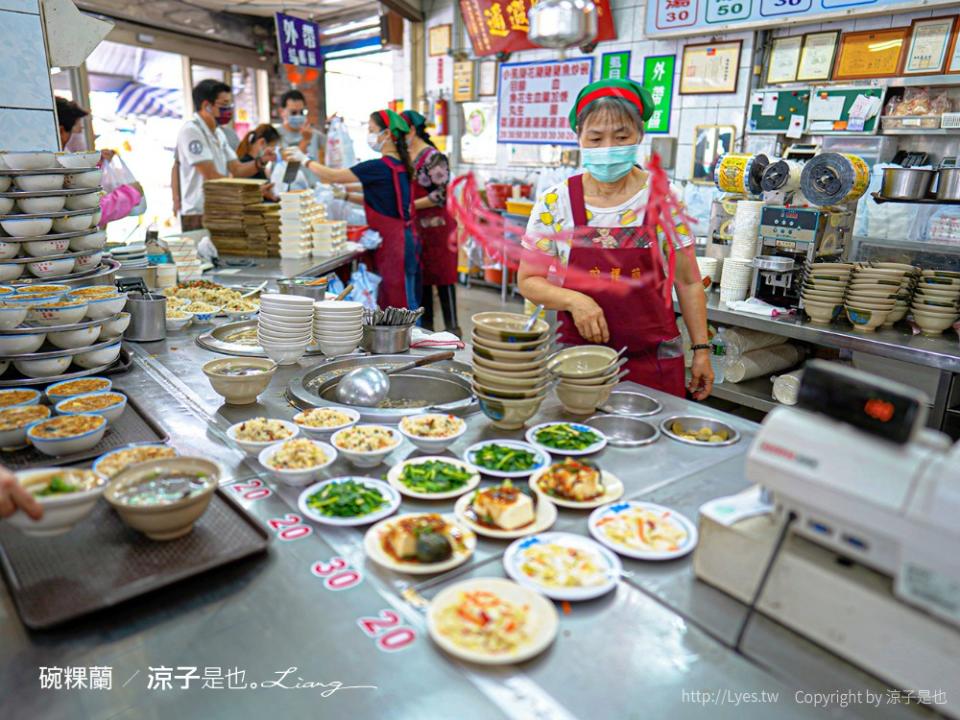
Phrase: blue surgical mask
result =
(609, 164)
(297, 121)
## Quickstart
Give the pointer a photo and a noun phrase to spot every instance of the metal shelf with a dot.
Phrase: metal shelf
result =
(920, 131)
(756, 393)
(878, 198)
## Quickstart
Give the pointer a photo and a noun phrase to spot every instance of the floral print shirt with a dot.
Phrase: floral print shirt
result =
(433, 174)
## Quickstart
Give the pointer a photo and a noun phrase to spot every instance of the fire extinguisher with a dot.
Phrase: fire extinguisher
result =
(441, 115)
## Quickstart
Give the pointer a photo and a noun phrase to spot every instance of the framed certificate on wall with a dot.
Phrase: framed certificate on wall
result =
(816, 58)
(710, 68)
(870, 54)
(930, 40)
(784, 59)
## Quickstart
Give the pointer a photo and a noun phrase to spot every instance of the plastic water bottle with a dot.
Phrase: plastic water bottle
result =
(718, 356)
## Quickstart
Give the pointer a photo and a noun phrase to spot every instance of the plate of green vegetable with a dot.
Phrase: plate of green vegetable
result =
(348, 500)
(506, 458)
(564, 438)
(433, 477)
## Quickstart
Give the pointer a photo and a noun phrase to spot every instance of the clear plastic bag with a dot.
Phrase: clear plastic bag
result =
(116, 174)
(339, 151)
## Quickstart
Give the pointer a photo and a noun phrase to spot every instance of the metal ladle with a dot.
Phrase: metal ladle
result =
(369, 386)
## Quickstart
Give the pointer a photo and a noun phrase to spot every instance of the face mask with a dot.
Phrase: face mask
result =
(374, 141)
(297, 121)
(224, 115)
(609, 164)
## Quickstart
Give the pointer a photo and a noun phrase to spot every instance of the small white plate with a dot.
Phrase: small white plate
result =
(686, 546)
(375, 551)
(545, 517)
(613, 489)
(542, 620)
(543, 458)
(393, 477)
(607, 563)
(589, 450)
(392, 497)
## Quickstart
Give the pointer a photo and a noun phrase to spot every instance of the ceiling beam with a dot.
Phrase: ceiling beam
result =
(408, 9)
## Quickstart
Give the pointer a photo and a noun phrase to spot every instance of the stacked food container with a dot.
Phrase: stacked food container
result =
(934, 307)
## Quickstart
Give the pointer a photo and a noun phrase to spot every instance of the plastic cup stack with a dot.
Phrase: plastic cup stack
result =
(708, 267)
(746, 229)
(285, 327)
(337, 326)
(736, 279)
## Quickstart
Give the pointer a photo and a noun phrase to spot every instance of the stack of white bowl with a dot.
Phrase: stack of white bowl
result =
(823, 289)
(746, 229)
(337, 326)
(736, 279)
(285, 326)
(935, 301)
(874, 293)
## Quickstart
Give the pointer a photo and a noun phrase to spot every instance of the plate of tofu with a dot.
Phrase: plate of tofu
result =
(576, 484)
(505, 512)
(420, 543)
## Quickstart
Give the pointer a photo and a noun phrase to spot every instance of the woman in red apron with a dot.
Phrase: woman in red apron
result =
(433, 225)
(589, 256)
(386, 200)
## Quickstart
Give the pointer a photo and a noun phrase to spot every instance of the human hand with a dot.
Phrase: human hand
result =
(306, 131)
(13, 496)
(107, 155)
(295, 154)
(266, 190)
(589, 319)
(701, 375)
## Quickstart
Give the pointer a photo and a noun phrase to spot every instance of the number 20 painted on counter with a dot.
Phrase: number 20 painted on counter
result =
(387, 631)
(290, 527)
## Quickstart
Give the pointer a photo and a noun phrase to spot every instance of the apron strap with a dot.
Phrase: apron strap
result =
(397, 190)
(577, 205)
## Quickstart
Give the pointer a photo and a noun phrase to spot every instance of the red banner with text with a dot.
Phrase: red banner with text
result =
(497, 26)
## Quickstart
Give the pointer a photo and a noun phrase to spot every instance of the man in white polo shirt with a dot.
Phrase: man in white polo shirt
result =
(203, 152)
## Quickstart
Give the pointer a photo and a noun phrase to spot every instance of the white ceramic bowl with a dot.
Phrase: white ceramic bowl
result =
(323, 433)
(5, 180)
(82, 159)
(6, 290)
(49, 204)
(21, 344)
(338, 306)
(932, 324)
(34, 398)
(51, 268)
(370, 458)
(6, 205)
(27, 159)
(253, 448)
(73, 339)
(88, 261)
(332, 349)
(116, 327)
(85, 201)
(297, 477)
(46, 367)
(38, 183)
(72, 223)
(9, 250)
(55, 392)
(98, 357)
(29, 227)
(10, 271)
(43, 248)
(92, 241)
(11, 316)
(288, 322)
(284, 354)
(175, 324)
(68, 445)
(111, 413)
(90, 179)
(99, 308)
(61, 511)
(16, 437)
(65, 315)
(433, 446)
(288, 301)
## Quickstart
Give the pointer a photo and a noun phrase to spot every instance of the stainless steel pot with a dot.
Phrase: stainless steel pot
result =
(298, 286)
(148, 318)
(386, 339)
(948, 184)
(562, 23)
(906, 183)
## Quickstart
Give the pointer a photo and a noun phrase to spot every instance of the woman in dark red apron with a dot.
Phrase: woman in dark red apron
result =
(608, 273)
(386, 200)
(433, 225)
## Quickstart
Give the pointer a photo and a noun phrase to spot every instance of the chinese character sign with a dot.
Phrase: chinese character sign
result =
(498, 26)
(298, 41)
(615, 65)
(535, 98)
(658, 79)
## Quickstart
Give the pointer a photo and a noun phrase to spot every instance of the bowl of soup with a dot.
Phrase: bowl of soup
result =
(67, 495)
(240, 380)
(164, 498)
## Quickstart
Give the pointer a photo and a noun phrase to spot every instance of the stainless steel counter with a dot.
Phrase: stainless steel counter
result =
(279, 268)
(644, 650)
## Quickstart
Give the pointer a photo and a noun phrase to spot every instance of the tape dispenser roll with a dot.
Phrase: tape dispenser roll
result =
(834, 178)
(740, 173)
(782, 175)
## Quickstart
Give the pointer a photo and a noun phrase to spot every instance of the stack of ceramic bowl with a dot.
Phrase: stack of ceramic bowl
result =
(823, 289)
(736, 279)
(337, 326)
(587, 374)
(935, 299)
(874, 292)
(510, 377)
(285, 327)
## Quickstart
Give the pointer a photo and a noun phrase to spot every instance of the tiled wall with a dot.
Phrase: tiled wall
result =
(27, 120)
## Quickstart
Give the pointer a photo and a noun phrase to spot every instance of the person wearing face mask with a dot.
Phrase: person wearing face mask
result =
(203, 152)
(386, 198)
(587, 254)
(297, 130)
(259, 145)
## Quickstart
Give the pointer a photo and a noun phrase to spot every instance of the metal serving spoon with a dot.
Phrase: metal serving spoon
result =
(369, 386)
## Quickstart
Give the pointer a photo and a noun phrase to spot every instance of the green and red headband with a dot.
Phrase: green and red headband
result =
(633, 92)
(414, 119)
(393, 122)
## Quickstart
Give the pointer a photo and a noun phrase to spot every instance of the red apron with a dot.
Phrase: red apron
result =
(388, 259)
(435, 227)
(638, 318)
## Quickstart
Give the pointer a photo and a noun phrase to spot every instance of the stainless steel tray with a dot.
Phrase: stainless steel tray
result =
(33, 330)
(45, 215)
(44, 258)
(635, 404)
(47, 171)
(696, 422)
(217, 340)
(50, 236)
(50, 354)
(625, 431)
(121, 364)
(47, 193)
